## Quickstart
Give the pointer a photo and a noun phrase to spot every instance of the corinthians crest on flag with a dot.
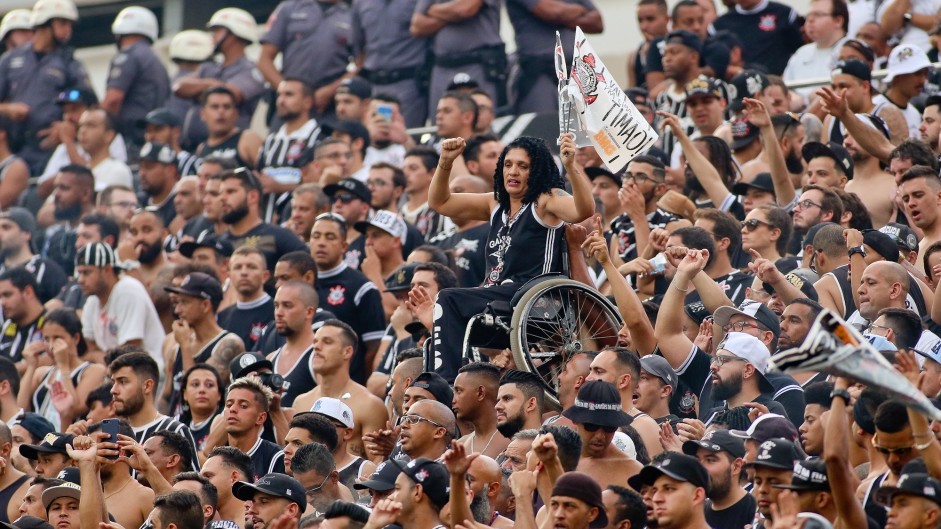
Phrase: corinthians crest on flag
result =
(608, 118)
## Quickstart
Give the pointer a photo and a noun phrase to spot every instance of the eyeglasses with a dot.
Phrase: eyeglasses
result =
(311, 491)
(331, 216)
(739, 326)
(807, 204)
(873, 327)
(721, 360)
(415, 419)
(640, 177)
(595, 427)
(752, 224)
(344, 198)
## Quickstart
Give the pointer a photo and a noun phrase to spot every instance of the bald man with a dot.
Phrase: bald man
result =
(885, 285)
(468, 241)
(485, 482)
(427, 429)
(295, 304)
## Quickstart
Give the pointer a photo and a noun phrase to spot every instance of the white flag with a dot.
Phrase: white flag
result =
(568, 120)
(617, 130)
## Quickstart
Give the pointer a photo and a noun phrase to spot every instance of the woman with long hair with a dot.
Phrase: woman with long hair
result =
(202, 394)
(57, 390)
(527, 212)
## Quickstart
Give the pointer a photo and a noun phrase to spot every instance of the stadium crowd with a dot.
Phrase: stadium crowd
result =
(203, 326)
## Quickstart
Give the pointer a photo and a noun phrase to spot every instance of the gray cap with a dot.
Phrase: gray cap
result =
(658, 366)
(22, 217)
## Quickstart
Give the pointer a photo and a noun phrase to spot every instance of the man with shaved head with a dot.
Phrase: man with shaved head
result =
(475, 395)
(427, 429)
(295, 304)
(484, 477)
(468, 240)
(188, 202)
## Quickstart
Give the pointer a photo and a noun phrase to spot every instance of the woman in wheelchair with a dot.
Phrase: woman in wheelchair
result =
(527, 211)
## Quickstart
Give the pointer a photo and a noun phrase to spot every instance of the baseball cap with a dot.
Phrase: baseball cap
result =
(52, 443)
(806, 287)
(746, 84)
(716, 441)
(382, 479)
(206, 240)
(66, 490)
(809, 474)
(432, 476)
(462, 80)
(882, 244)
(80, 95)
(273, 484)
(761, 182)
(769, 426)
(904, 237)
(27, 522)
(638, 96)
(582, 487)
(680, 467)
(598, 402)
(161, 117)
(70, 474)
(436, 385)
(356, 86)
(21, 217)
(354, 129)
(854, 67)
(199, 285)
(914, 484)
(703, 86)
(697, 311)
(832, 150)
(401, 279)
(386, 221)
(752, 350)
(658, 366)
(247, 363)
(753, 309)
(686, 38)
(595, 172)
(34, 423)
(906, 59)
(334, 409)
(353, 186)
(743, 134)
(97, 254)
(776, 453)
(157, 152)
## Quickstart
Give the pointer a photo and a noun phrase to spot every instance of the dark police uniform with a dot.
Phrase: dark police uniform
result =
(472, 46)
(242, 74)
(36, 80)
(517, 251)
(536, 87)
(138, 72)
(394, 61)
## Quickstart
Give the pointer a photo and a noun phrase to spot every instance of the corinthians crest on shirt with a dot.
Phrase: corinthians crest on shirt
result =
(337, 295)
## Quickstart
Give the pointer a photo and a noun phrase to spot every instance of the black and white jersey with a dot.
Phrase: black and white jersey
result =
(247, 320)
(523, 247)
(267, 457)
(350, 473)
(49, 276)
(162, 422)
(298, 378)
(469, 250)
(14, 338)
(733, 285)
(623, 228)
(673, 100)
(428, 221)
(188, 163)
(278, 159)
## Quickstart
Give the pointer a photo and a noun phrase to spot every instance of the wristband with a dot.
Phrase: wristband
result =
(841, 393)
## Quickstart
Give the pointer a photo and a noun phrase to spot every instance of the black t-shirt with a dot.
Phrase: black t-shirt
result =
(773, 34)
(715, 55)
(48, 274)
(267, 457)
(738, 516)
(468, 248)
(790, 394)
(271, 341)
(274, 241)
(247, 320)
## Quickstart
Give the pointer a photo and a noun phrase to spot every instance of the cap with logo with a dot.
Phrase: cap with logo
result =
(26, 522)
(161, 117)
(743, 134)
(247, 363)
(749, 83)
(82, 96)
(598, 402)
(52, 443)
(680, 467)
(754, 310)
(658, 366)
(432, 476)
(356, 86)
(832, 150)
(716, 441)
(436, 385)
(882, 244)
(352, 186)
(199, 285)
(206, 240)
(157, 152)
(703, 86)
(903, 236)
(809, 474)
(806, 287)
(386, 221)
(401, 279)
(906, 59)
(853, 67)
(70, 474)
(914, 484)
(769, 426)
(334, 409)
(462, 80)
(697, 311)
(65, 490)
(583, 488)
(777, 453)
(273, 484)
(382, 479)
(753, 351)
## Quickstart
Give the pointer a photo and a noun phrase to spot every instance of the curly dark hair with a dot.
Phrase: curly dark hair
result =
(543, 173)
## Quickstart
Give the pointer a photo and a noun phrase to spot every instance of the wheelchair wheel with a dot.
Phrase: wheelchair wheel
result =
(555, 320)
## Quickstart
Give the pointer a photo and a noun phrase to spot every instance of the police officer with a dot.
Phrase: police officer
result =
(188, 49)
(392, 60)
(16, 28)
(32, 76)
(535, 87)
(232, 29)
(137, 79)
(314, 40)
(470, 44)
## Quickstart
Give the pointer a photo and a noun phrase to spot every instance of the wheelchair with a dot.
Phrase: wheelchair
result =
(550, 318)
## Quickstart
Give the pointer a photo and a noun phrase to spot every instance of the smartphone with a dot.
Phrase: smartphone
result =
(385, 111)
(110, 427)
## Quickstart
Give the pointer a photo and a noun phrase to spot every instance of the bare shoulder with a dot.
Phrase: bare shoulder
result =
(305, 401)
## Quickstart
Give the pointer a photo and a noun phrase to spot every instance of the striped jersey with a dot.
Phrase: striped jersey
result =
(278, 159)
(162, 422)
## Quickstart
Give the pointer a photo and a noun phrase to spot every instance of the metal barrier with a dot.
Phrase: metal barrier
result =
(810, 83)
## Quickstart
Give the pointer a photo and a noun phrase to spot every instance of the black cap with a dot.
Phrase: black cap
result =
(382, 479)
(761, 182)
(207, 239)
(52, 443)
(27, 522)
(22, 218)
(638, 96)
(697, 311)
(595, 172)
(882, 244)
(432, 476)
(401, 279)
(703, 86)
(34, 423)
(247, 363)
(716, 441)
(806, 287)
(598, 402)
(80, 95)
(351, 185)
(199, 285)
(831, 150)
(776, 453)
(356, 86)
(743, 134)
(686, 38)
(157, 152)
(70, 474)
(904, 237)
(161, 117)
(436, 385)
(752, 309)
(746, 84)
(354, 129)
(680, 467)
(854, 67)
(769, 426)
(809, 474)
(273, 484)
(462, 80)
(915, 484)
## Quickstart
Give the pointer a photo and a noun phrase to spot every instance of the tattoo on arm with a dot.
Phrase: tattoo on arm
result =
(228, 349)
(560, 193)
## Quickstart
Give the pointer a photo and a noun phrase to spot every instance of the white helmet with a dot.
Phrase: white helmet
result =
(238, 21)
(191, 45)
(46, 10)
(136, 20)
(16, 19)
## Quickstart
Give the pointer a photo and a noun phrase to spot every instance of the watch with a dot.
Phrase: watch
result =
(841, 393)
(130, 264)
(861, 250)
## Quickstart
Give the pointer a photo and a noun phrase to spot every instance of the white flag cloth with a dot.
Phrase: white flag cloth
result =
(568, 119)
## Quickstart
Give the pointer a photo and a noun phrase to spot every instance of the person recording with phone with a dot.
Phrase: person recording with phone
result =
(57, 381)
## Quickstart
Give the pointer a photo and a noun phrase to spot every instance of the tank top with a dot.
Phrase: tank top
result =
(523, 247)
(842, 276)
(350, 472)
(7, 494)
(42, 398)
(835, 134)
(200, 431)
(299, 378)
(176, 397)
(227, 149)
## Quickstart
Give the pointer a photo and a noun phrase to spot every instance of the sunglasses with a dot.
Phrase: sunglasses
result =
(344, 198)
(595, 427)
(752, 224)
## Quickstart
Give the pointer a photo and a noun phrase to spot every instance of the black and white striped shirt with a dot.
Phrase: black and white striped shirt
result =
(673, 100)
(162, 422)
(278, 159)
(188, 163)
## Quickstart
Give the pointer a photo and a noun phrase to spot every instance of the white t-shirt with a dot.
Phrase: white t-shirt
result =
(60, 156)
(861, 12)
(909, 34)
(110, 172)
(128, 315)
(912, 115)
(811, 62)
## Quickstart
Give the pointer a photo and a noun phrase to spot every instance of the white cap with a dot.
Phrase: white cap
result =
(386, 221)
(906, 59)
(335, 409)
(748, 348)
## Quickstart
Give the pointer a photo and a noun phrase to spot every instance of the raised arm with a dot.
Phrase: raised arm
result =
(674, 345)
(871, 140)
(843, 480)
(783, 186)
(702, 168)
(581, 204)
(474, 206)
